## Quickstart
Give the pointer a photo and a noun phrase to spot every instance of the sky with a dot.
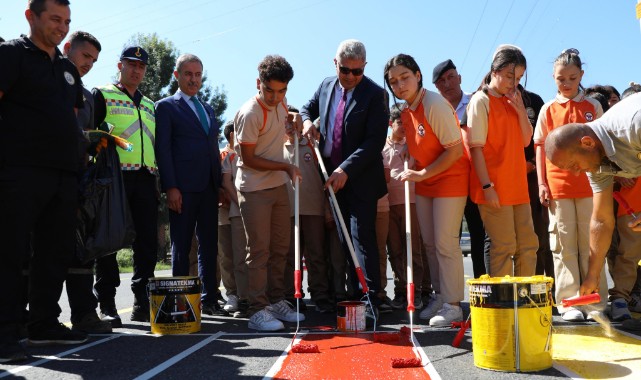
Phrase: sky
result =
(231, 37)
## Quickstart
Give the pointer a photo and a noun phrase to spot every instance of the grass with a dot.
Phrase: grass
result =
(124, 257)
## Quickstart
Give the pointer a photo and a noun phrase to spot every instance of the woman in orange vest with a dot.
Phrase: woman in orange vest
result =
(441, 174)
(567, 196)
(497, 131)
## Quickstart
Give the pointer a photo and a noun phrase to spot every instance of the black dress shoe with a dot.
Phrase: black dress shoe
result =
(323, 306)
(140, 314)
(213, 309)
(109, 313)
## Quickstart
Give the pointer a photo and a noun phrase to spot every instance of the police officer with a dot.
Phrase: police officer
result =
(131, 115)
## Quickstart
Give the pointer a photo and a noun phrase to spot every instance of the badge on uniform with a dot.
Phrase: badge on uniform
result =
(421, 130)
(69, 78)
(589, 116)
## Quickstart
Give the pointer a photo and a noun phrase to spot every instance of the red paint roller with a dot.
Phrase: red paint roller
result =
(300, 348)
(337, 211)
(587, 299)
(415, 361)
(463, 326)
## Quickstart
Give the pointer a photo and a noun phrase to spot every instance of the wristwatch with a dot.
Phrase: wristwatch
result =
(488, 185)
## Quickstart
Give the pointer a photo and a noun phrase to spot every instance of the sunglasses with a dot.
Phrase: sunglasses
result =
(346, 70)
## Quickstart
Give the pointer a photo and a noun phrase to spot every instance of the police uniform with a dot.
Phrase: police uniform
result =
(38, 180)
(132, 117)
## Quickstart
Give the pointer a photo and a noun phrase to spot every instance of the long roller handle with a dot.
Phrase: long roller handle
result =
(408, 245)
(298, 276)
(337, 210)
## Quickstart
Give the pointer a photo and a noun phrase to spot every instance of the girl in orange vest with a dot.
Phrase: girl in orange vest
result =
(567, 196)
(497, 131)
(441, 174)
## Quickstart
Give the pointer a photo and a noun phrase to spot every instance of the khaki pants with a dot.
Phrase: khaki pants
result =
(570, 246)
(623, 266)
(239, 252)
(265, 215)
(226, 259)
(382, 229)
(397, 249)
(312, 242)
(440, 220)
(512, 236)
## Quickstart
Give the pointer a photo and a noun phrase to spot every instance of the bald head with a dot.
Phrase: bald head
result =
(565, 138)
(574, 147)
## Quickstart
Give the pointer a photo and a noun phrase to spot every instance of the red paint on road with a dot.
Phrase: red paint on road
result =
(351, 356)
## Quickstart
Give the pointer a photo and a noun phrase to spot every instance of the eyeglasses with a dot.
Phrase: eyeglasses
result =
(570, 51)
(346, 70)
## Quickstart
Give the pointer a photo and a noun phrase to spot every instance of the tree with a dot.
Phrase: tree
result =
(162, 57)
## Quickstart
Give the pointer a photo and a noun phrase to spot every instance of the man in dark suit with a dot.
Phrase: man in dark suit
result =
(354, 115)
(189, 166)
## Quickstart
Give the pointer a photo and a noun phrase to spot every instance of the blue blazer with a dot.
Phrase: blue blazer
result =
(364, 133)
(187, 157)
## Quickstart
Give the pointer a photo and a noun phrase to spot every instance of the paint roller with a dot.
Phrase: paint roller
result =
(416, 361)
(346, 235)
(299, 348)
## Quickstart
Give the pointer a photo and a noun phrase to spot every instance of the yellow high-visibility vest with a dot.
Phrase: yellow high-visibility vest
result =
(135, 124)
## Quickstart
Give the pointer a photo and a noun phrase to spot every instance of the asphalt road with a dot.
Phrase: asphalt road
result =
(227, 349)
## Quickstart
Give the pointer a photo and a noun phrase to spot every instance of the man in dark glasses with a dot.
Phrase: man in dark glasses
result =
(354, 115)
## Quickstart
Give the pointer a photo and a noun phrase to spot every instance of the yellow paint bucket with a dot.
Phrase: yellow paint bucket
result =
(511, 322)
(174, 305)
(350, 316)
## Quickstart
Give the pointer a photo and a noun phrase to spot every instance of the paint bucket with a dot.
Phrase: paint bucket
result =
(174, 305)
(511, 322)
(350, 316)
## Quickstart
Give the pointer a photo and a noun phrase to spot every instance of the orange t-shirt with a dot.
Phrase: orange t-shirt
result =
(558, 112)
(632, 196)
(494, 125)
(431, 126)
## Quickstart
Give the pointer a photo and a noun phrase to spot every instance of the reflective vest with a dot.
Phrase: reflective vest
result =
(135, 124)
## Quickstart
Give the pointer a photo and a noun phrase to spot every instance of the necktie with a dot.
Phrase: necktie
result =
(337, 149)
(201, 114)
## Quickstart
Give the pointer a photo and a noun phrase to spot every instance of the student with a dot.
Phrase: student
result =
(568, 197)
(311, 225)
(441, 176)
(237, 231)
(226, 262)
(394, 154)
(262, 179)
(498, 130)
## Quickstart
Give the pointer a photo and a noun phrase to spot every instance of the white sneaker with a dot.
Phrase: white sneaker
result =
(434, 304)
(595, 316)
(635, 303)
(284, 311)
(232, 304)
(446, 316)
(265, 321)
(619, 310)
(573, 315)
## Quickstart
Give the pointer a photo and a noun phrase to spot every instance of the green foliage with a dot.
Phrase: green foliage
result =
(162, 57)
(125, 259)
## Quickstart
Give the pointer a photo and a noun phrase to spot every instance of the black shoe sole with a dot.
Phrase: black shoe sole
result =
(115, 323)
(50, 342)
